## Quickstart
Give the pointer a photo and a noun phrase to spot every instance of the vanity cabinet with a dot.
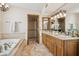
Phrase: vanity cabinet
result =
(71, 47)
(44, 39)
(59, 47)
(54, 45)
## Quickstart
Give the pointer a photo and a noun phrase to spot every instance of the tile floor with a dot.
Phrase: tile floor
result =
(35, 50)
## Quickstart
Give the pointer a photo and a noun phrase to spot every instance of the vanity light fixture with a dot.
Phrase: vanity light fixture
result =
(51, 17)
(4, 6)
(64, 14)
(60, 14)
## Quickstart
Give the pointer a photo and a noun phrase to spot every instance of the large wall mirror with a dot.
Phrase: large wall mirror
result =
(58, 21)
(58, 24)
(61, 22)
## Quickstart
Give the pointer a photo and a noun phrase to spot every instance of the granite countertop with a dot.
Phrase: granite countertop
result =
(60, 36)
(10, 51)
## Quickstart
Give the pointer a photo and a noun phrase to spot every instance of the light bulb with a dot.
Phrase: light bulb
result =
(64, 14)
(60, 14)
(51, 17)
(6, 6)
(55, 16)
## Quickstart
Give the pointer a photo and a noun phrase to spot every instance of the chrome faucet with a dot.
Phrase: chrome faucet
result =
(0, 48)
(6, 46)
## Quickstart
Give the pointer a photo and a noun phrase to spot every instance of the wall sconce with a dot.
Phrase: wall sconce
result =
(4, 6)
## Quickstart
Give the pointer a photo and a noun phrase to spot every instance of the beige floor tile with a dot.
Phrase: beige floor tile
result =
(35, 50)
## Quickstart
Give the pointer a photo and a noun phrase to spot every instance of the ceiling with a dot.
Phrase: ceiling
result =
(51, 8)
(38, 7)
(29, 6)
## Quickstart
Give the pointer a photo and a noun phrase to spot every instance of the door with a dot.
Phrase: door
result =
(33, 33)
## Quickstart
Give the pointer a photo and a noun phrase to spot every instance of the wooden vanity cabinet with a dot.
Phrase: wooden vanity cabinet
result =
(44, 40)
(48, 42)
(71, 47)
(59, 47)
(53, 46)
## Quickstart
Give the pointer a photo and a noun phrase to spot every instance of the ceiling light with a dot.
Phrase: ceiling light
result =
(64, 14)
(60, 14)
(51, 17)
(4, 6)
(55, 17)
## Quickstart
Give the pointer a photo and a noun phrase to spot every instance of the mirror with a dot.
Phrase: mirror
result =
(45, 23)
(58, 24)
(61, 22)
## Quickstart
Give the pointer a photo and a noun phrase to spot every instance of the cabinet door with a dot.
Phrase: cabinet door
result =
(59, 47)
(77, 47)
(59, 51)
(52, 45)
(71, 48)
(54, 50)
(44, 39)
(48, 42)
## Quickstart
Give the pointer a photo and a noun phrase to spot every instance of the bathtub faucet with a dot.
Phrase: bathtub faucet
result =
(6, 46)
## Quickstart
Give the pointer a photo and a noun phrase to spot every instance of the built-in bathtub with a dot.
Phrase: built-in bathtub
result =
(9, 46)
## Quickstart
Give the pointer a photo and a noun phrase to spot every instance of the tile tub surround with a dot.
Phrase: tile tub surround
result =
(12, 35)
(60, 36)
(10, 51)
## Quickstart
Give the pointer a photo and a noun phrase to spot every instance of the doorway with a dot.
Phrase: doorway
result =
(33, 33)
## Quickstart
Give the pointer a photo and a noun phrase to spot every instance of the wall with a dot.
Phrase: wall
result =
(77, 21)
(0, 23)
(72, 15)
(70, 19)
(9, 18)
(18, 15)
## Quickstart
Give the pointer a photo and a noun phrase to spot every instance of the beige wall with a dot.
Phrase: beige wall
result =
(13, 36)
(18, 14)
(77, 21)
(0, 24)
(70, 19)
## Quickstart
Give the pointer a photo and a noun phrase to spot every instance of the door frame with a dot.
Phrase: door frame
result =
(37, 29)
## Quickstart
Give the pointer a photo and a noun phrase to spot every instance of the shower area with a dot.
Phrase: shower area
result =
(33, 33)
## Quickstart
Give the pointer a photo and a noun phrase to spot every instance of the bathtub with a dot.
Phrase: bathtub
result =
(14, 44)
